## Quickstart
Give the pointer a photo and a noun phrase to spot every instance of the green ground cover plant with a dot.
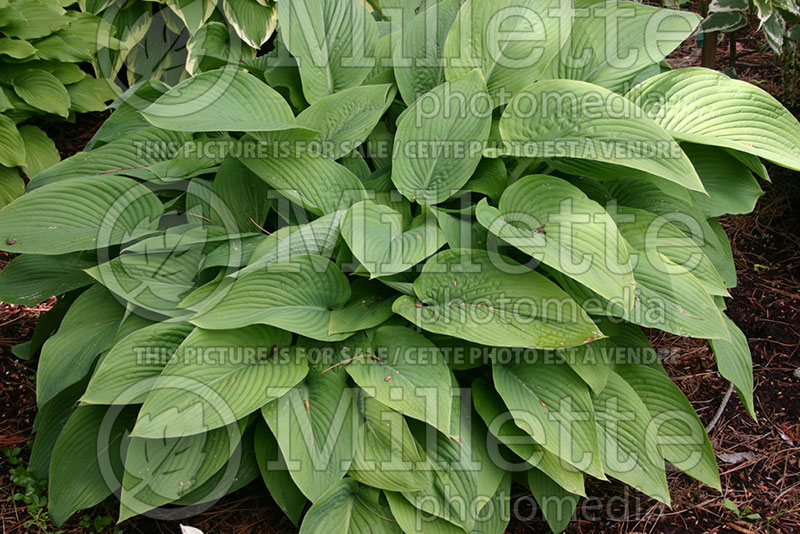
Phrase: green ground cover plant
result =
(395, 272)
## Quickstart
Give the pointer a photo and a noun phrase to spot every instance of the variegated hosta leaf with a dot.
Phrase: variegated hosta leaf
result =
(253, 22)
(376, 237)
(193, 13)
(613, 56)
(439, 140)
(554, 222)
(491, 300)
(697, 105)
(565, 118)
(333, 40)
(298, 295)
(510, 41)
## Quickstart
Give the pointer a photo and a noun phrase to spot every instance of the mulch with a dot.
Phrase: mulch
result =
(758, 461)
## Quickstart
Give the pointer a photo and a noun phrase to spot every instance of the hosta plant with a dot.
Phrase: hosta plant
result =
(420, 271)
(41, 46)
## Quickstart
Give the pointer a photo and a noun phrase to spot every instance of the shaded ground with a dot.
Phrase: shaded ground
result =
(759, 462)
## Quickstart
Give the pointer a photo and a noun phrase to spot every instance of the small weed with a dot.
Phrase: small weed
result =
(31, 493)
(746, 514)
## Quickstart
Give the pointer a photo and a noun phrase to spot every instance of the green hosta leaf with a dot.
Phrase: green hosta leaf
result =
(612, 56)
(29, 279)
(333, 187)
(16, 48)
(87, 330)
(40, 151)
(223, 99)
(349, 508)
(406, 372)
(556, 223)
(370, 304)
(333, 41)
(90, 94)
(549, 401)
(314, 424)
(232, 373)
(558, 505)
(39, 19)
(629, 449)
(12, 186)
(486, 299)
(316, 238)
(680, 433)
(735, 363)
(697, 104)
(126, 118)
(161, 471)
(592, 123)
(253, 22)
(42, 90)
(246, 197)
(127, 372)
(273, 470)
(418, 56)
(346, 118)
(490, 407)
(48, 424)
(85, 464)
(297, 295)
(386, 455)
(12, 146)
(375, 235)
(134, 151)
(730, 185)
(436, 152)
(511, 41)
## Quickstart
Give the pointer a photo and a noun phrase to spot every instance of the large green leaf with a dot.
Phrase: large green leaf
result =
(439, 140)
(161, 471)
(697, 105)
(42, 90)
(219, 100)
(612, 54)
(680, 433)
(12, 186)
(12, 146)
(349, 508)
(29, 279)
(136, 150)
(87, 330)
(629, 449)
(85, 469)
(376, 237)
(418, 56)
(549, 401)
(558, 505)
(314, 425)
(370, 304)
(40, 151)
(406, 372)
(489, 405)
(287, 170)
(556, 223)
(252, 21)
(490, 300)
(297, 295)
(735, 363)
(244, 196)
(128, 371)
(333, 41)
(511, 41)
(346, 118)
(273, 470)
(231, 373)
(386, 455)
(566, 118)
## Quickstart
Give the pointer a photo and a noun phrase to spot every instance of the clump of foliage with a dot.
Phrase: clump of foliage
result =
(776, 18)
(41, 45)
(396, 274)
